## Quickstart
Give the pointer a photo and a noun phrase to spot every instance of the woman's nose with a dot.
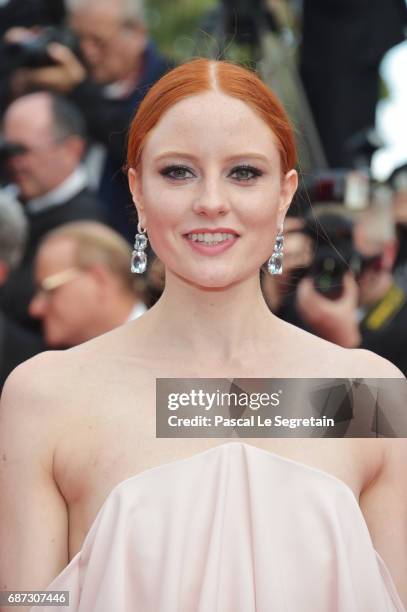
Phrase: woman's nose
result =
(212, 200)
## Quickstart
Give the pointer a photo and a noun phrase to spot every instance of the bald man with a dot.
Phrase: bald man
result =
(49, 179)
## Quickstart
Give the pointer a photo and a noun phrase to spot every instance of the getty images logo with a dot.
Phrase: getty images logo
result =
(206, 400)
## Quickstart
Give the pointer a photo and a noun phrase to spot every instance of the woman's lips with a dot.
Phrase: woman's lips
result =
(214, 248)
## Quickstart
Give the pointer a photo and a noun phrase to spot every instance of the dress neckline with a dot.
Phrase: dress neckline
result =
(218, 447)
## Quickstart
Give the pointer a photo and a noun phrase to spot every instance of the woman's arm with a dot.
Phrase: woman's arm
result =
(384, 505)
(33, 514)
(384, 500)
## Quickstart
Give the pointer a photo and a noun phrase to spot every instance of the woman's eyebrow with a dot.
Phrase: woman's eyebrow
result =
(235, 157)
(248, 155)
(175, 154)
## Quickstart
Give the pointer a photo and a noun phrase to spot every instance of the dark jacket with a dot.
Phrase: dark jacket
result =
(16, 345)
(108, 122)
(384, 328)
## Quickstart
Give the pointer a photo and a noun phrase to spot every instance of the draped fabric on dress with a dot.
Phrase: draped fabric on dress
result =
(233, 529)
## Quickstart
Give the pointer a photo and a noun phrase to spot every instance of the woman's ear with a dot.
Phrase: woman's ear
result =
(289, 186)
(134, 179)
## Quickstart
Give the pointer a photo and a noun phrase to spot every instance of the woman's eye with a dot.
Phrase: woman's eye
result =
(177, 172)
(245, 173)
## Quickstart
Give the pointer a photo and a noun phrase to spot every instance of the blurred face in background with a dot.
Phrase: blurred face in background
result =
(67, 297)
(112, 48)
(379, 258)
(45, 162)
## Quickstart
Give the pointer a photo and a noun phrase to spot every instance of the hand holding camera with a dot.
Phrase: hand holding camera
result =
(43, 59)
(334, 320)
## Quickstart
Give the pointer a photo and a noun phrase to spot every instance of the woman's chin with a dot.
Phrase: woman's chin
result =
(210, 281)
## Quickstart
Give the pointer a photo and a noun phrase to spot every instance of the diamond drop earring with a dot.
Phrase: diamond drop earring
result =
(275, 263)
(138, 257)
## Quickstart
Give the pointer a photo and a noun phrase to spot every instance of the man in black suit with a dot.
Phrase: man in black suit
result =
(49, 179)
(16, 344)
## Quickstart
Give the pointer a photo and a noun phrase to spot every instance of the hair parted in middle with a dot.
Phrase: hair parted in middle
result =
(204, 75)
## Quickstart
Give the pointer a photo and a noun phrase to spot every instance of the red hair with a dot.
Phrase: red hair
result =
(202, 75)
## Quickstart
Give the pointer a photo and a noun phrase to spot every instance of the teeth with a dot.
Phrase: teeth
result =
(208, 238)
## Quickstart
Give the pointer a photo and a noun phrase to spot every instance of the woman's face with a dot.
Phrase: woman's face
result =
(210, 190)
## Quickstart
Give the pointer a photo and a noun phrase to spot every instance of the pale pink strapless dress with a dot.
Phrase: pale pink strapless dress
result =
(232, 529)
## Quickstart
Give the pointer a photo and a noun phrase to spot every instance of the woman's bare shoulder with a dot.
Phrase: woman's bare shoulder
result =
(34, 389)
(38, 373)
(59, 377)
(372, 365)
(326, 359)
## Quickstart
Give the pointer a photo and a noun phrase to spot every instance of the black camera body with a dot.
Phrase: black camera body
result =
(334, 255)
(33, 52)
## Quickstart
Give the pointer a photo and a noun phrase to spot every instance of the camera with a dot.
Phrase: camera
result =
(334, 255)
(33, 52)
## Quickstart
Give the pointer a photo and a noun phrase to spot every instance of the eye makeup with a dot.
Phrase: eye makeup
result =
(176, 172)
(241, 172)
(247, 172)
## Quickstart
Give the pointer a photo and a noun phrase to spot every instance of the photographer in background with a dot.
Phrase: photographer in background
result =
(383, 302)
(116, 65)
(319, 259)
(27, 13)
(370, 310)
(16, 344)
(44, 143)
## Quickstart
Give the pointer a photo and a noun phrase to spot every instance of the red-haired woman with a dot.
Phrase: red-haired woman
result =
(262, 524)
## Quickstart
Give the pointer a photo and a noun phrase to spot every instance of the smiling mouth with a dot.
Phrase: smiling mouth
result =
(209, 239)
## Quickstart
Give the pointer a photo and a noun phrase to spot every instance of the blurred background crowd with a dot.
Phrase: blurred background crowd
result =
(72, 73)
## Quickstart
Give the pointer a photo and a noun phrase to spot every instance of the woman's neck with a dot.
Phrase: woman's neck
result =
(226, 323)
